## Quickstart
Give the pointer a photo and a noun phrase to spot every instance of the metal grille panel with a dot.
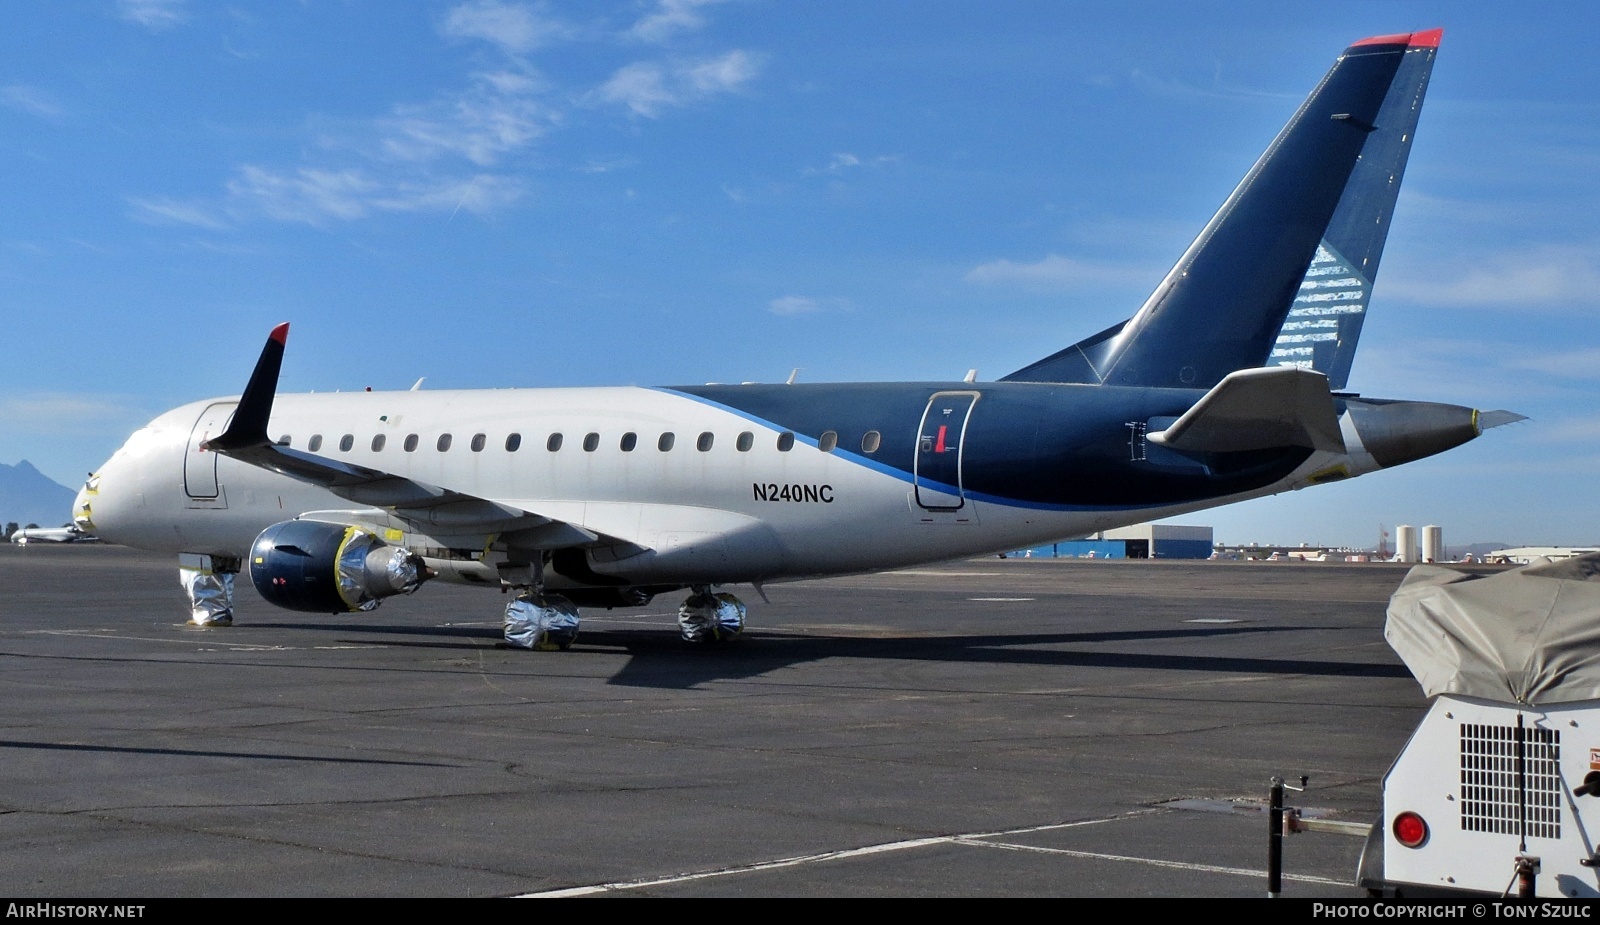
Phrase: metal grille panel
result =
(1489, 780)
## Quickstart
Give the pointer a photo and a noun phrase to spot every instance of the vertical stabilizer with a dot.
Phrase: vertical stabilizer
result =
(1324, 191)
(1324, 323)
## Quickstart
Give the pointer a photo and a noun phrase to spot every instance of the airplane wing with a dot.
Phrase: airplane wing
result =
(431, 508)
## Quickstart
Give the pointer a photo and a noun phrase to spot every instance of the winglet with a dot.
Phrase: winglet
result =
(248, 427)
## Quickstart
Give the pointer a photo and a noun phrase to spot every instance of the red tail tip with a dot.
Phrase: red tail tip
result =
(280, 334)
(1401, 38)
(1428, 39)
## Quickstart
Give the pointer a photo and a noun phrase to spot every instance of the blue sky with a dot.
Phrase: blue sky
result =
(677, 191)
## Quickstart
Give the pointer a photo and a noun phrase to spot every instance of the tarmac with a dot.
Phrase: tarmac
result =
(993, 727)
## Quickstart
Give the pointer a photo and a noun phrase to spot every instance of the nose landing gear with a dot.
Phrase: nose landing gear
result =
(208, 581)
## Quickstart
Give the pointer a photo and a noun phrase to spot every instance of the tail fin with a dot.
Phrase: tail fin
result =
(1324, 323)
(1323, 191)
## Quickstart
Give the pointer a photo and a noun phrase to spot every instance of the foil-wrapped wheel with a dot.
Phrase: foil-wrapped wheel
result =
(543, 622)
(705, 617)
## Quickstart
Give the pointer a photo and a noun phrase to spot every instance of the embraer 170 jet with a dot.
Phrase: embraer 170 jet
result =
(1227, 384)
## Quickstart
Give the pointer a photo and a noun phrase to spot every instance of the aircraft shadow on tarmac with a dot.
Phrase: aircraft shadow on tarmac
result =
(660, 659)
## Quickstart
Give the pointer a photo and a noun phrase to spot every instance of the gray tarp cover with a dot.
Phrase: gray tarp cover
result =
(1528, 636)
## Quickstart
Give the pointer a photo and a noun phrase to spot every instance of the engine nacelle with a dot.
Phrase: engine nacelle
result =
(330, 568)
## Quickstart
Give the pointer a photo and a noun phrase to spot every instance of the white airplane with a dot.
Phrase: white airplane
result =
(72, 533)
(1226, 385)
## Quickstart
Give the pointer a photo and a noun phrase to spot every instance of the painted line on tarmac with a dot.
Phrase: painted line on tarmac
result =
(799, 860)
(1152, 862)
(203, 644)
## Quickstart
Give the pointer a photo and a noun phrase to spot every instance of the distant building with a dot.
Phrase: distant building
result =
(1143, 541)
(1524, 555)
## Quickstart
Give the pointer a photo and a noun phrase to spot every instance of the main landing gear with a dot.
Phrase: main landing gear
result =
(707, 617)
(548, 622)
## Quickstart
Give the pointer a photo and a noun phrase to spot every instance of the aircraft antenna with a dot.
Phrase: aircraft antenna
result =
(794, 375)
(417, 386)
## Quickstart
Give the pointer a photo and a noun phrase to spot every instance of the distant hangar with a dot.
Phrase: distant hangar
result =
(1141, 541)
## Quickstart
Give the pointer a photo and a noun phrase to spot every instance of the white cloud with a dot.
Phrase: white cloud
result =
(164, 211)
(1568, 364)
(790, 305)
(1580, 430)
(496, 115)
(65, 412)
(480, 195)
(647, 87)
(155, 15)
(316, 196)
(844, 161)
(670, 17)
(1547, 277)
(459, 150)
(1057, 273)
(512, 26)
(307, 195)
(30, 100)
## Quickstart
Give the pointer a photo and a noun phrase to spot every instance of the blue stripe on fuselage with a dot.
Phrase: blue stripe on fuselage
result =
(1033, 445)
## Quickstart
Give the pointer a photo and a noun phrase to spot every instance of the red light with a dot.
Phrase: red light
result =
(1410, 830)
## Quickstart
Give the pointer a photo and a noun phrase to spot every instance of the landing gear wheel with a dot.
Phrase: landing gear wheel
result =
(709, 618)
(542, 622)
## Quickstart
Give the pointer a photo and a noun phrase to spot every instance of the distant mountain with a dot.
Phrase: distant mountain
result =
(28, 496)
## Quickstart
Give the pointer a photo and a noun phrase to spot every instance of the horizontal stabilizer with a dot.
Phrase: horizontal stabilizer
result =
(1258, 409)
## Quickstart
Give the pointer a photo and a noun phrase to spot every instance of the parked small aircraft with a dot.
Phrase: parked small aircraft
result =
(1226, 385)
(71, 533)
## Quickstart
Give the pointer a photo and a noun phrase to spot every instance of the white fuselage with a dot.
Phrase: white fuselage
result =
(719, 514)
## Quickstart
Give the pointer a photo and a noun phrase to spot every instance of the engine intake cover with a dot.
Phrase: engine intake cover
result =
(328, 568)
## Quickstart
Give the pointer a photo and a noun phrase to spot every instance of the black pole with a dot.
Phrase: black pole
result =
(1275, 840)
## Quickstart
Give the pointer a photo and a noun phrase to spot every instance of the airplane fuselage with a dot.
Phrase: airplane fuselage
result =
(710, 484)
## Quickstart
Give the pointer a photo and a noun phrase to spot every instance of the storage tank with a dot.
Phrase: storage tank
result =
(1405, 543)
(1433, 543)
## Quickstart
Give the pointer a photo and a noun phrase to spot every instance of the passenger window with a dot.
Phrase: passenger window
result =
(283, 440)
(704, 443)
(785, 441)
(315, 443)
(513, 441)
(666, 441)
(478, 440)
(346, 442)
(629, 441)
(444, 442)
(378, 442)
(554, 443)
(828, 440)
(411, 443)
(591, 442)
(870, 441)
(745, 442)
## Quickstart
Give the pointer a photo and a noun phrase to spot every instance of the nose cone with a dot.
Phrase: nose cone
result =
(82, 505)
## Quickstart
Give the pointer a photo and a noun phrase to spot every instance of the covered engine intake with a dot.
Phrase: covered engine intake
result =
(329, 568)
